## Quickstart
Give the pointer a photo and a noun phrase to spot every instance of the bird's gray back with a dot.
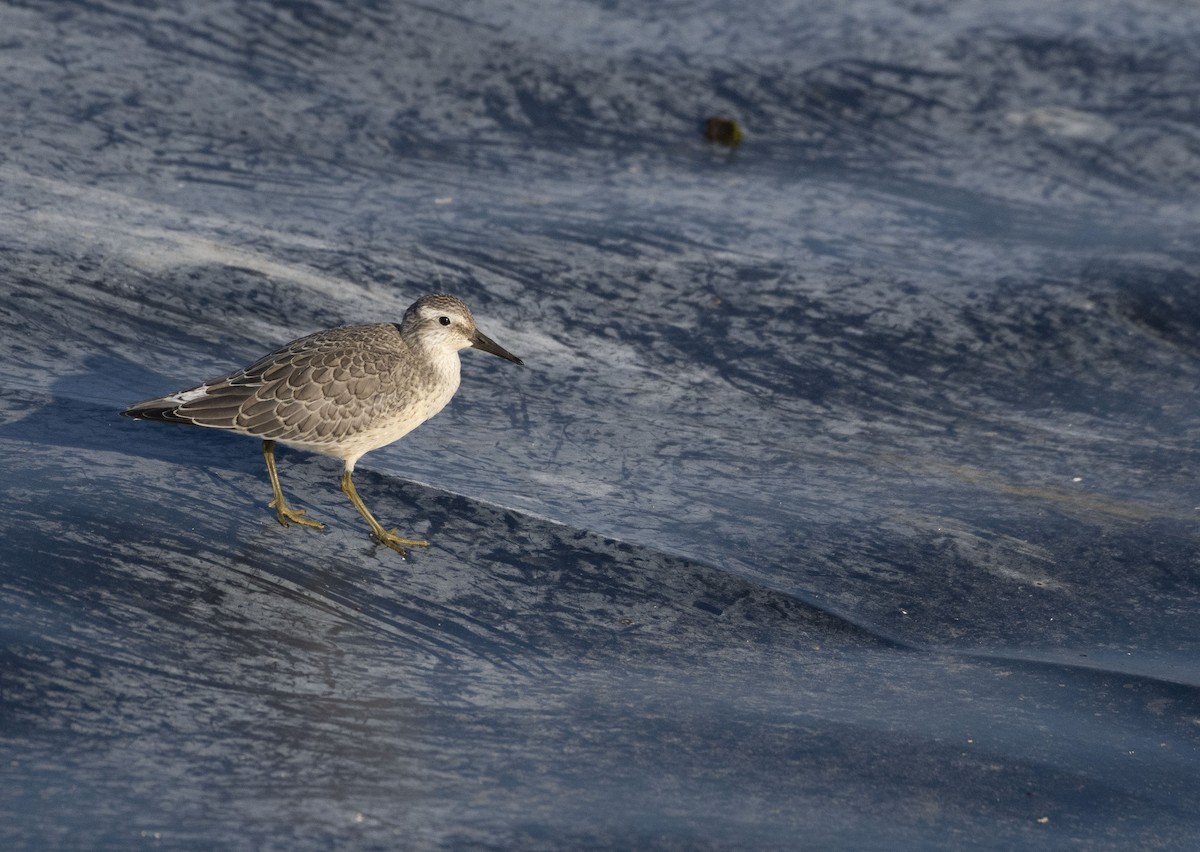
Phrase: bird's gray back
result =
(331, 392)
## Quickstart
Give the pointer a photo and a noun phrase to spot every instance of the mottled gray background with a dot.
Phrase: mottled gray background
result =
(848, 498)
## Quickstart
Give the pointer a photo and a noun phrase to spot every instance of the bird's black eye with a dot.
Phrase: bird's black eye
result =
(444, 320)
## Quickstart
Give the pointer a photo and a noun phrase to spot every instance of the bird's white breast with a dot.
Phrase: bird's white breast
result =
(438, 382)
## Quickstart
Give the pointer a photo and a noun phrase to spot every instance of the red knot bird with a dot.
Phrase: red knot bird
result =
(341, 392)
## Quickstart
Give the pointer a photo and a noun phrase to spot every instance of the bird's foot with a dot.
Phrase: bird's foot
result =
(287, 516)
(397, 543)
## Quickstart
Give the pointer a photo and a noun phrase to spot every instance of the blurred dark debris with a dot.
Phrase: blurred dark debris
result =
(723, 131)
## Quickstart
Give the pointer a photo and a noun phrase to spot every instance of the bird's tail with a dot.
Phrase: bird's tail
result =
(164, 409)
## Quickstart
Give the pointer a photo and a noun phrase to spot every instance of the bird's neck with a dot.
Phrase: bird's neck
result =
(444, 369)
(446, 362)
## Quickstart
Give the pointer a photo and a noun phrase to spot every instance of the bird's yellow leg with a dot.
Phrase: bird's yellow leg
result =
(286, 516)
(387, 537)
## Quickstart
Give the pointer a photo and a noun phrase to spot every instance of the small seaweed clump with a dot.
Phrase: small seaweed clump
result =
(722, 131)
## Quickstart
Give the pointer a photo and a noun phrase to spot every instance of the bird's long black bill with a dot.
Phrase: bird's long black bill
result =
(482, 341)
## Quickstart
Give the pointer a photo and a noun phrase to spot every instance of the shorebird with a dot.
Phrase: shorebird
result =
(341, 392)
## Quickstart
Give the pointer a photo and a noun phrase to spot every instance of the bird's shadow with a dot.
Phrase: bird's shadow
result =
(81, 410)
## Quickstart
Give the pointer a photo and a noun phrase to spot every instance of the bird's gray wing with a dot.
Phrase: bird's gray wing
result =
(315, 390)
